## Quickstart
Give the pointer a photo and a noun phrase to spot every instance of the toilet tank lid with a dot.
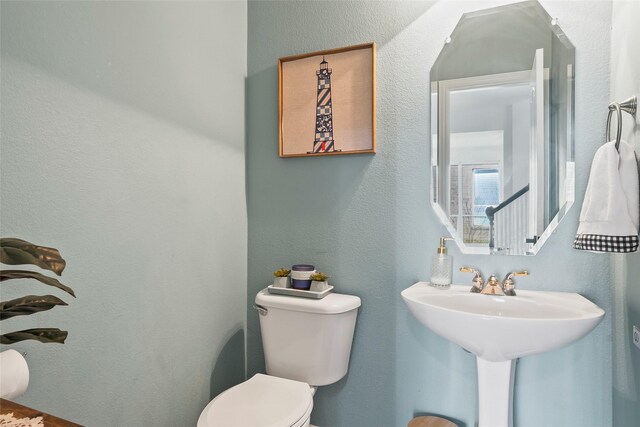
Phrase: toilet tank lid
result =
(331, 304)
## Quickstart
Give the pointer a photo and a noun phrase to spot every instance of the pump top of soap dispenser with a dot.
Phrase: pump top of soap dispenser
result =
(442, 249)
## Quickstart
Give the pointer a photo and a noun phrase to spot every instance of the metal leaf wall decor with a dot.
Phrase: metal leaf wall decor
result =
(16, 252)
(44, 335)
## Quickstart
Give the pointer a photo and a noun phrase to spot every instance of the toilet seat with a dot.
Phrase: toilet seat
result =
(262, 401)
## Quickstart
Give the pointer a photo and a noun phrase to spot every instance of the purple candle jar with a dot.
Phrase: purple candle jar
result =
(301, 276)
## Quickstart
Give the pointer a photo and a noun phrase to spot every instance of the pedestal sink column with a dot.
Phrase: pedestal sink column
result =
(495, 393)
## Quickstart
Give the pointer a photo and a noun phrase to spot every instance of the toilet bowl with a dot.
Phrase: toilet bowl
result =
(263, 401)
(307, 343)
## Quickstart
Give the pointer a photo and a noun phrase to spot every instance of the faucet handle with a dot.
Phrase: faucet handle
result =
(508, 284)
(478, 281)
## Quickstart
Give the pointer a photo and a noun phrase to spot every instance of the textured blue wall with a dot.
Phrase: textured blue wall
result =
(366, 220)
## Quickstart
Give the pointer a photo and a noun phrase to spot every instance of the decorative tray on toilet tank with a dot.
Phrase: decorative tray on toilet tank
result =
(299, 292)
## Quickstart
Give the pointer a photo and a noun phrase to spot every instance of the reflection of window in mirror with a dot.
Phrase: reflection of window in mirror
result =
(479, 187)
(486, 192)
(476, 181)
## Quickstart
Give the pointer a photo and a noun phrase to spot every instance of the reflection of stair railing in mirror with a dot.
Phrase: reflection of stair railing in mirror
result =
(508, 230)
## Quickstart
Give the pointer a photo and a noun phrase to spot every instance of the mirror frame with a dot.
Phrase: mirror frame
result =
(440, 131)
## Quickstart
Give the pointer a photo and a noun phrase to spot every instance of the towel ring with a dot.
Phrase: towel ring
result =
(629, 106)
(615, 106)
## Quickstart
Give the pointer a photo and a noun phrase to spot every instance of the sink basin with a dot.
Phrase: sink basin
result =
(499, 328)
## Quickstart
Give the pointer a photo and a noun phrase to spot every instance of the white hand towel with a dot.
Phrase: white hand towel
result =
(611, 209)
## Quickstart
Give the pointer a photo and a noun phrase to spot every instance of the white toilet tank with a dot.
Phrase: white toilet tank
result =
(305, 339)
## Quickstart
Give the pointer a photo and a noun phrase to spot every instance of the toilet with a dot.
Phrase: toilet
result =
(307, 344)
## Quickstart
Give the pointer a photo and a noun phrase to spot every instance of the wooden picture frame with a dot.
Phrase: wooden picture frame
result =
(327, 102)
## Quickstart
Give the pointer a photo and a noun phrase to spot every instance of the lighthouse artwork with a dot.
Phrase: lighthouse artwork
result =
(327, 102)
(323, 142)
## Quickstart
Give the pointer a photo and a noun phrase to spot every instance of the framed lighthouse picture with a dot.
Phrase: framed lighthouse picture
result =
(327, 102)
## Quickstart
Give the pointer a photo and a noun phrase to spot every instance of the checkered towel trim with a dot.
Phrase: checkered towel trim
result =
(601, 243)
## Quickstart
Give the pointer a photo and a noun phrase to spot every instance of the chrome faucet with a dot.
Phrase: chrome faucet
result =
(493, 285)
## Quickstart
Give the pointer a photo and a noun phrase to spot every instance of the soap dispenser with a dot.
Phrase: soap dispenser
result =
(442, 266)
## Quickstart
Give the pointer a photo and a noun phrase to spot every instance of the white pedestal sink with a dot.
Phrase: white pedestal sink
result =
(498, 330)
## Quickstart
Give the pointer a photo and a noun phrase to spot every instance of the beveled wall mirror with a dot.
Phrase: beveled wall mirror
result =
(502, 129)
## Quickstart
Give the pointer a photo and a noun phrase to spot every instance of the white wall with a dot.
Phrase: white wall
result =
(520, 145)
(625, 82)
(123, 146)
